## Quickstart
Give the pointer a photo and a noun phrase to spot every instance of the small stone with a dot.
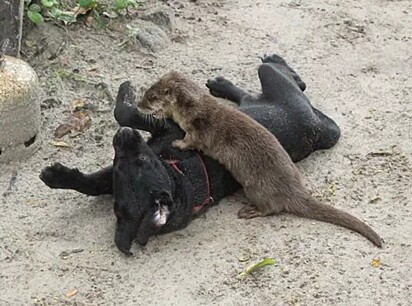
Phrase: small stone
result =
(50, 103)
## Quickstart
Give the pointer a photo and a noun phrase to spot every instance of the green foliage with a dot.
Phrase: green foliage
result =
(124, 4)
(48, 3)
(34, 16)
(87, 4)
(53, 10)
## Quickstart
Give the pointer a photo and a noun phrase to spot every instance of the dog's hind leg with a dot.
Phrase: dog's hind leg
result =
(222, 88)
(127, 114)
(281, 64)
(329, 133)
(58, 176)
(276, 85)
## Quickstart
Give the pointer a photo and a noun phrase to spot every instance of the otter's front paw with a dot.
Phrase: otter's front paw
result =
(249, 212)
(181, 144)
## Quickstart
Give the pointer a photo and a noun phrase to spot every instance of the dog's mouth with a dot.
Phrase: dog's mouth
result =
(147, 109)
(158, 114)
(161, 215)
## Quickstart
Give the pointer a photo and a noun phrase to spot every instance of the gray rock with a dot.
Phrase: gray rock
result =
(152, 37)
(44, 42)
(160, 18)
(19, 110)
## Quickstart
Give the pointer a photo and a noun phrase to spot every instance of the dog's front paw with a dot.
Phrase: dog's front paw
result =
(181, 144)
(219, 87)
(58, 176)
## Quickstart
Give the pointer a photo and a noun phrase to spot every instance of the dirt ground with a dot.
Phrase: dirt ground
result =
(57, 248)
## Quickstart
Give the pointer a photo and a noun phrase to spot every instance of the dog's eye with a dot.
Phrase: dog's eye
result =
(143, 157)
(164, 198)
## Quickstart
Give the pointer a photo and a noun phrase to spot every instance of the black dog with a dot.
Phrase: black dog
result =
(159, 189)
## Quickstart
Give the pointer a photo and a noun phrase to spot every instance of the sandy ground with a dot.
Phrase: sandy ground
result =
(56, 247)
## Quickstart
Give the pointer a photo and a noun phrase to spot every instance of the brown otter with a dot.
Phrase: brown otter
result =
(271, 181)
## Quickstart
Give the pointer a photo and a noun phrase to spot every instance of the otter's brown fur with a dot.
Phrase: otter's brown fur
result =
(256, 159)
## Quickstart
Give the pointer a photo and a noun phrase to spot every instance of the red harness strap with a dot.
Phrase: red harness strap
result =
(197, 207)
(173, 163)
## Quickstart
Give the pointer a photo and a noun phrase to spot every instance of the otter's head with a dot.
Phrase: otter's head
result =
(162, 97)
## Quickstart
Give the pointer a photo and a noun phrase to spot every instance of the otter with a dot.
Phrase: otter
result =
(253, 155)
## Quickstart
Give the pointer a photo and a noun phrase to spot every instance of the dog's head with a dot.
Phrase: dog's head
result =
(142, 190)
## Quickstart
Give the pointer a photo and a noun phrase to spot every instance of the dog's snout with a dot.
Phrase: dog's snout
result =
(126, 131)
(126, 136)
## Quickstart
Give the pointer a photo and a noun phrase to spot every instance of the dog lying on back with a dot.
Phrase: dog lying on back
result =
(288, 114)
(252, 154)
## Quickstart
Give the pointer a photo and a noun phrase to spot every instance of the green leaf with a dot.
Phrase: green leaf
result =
(35, 8)
(35, 17)
(122, 4)
(260, 264)
(47, 3)
(66, 17)
(89, 4)
(54, 12)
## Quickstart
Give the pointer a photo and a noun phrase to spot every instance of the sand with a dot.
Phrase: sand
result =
(57, 247)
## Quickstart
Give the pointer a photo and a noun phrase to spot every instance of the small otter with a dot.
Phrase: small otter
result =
(256, 159)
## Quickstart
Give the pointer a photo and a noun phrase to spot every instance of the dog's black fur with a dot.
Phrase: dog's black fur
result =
(141, 178)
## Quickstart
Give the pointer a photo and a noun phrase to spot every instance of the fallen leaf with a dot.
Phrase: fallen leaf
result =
(60, 144)
(71, 293)
(244, 257)
(64, 255)
(80, 10)
(90, 21)
(77, 104)
(30, 43)
(254, 267)
(63, 129)
(332, 189)
(376, 262)
(94, 69)
(79, 121)
(378, 154)
(375, 200)
(82, 120)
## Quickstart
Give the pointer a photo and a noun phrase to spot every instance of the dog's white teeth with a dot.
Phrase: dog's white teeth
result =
(160, 216)
(164, 213)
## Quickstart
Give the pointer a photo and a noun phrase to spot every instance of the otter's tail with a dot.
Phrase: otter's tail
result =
(309, 207)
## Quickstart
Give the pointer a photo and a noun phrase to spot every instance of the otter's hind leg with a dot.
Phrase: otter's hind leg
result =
(281, 63)
(249, 212)
(260, 206)
(223, 88)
